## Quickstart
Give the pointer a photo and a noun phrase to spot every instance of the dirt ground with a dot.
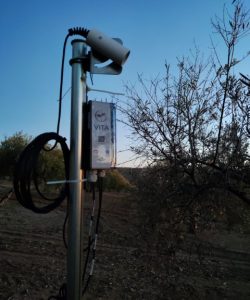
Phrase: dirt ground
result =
(33, 257)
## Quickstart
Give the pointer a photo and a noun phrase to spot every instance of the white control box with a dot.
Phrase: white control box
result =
(102, 135)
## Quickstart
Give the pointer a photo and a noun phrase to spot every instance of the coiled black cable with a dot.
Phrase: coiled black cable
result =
(25, 173)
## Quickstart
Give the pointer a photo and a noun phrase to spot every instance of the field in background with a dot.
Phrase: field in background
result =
(131, 262)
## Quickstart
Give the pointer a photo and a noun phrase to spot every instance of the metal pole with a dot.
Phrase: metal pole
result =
(78, 96)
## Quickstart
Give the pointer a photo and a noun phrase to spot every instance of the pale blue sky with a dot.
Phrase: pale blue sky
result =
(32, 34)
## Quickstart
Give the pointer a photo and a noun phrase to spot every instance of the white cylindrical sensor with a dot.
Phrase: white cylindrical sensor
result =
(107, 46)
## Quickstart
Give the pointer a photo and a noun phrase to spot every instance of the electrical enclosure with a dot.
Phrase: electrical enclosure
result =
(102, 128)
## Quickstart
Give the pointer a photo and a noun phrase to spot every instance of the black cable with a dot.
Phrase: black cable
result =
(72, 31)
(61, 84)
(62, 293)
(90, 240)
(64, 230)
(100, 187)
(25, 173)
(93, 241)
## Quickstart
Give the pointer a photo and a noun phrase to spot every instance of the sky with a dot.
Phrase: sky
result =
(32, 34)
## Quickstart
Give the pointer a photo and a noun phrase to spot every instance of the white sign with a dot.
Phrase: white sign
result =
(102, 135)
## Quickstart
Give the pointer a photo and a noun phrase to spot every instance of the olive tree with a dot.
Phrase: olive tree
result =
(194, 125)
(50, 163)
(10, 149)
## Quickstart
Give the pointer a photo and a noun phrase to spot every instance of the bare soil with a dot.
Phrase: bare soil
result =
(129, 265)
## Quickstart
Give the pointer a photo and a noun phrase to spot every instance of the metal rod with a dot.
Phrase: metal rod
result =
(104, 91)
(78, 96)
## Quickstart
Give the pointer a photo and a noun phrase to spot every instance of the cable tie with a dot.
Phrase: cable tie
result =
(65, 181)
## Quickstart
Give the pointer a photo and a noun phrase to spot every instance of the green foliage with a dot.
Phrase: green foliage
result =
(50, 164)
(10, 149)
(114, 180)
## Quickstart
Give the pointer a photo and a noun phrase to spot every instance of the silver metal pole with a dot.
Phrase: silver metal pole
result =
(78, 96)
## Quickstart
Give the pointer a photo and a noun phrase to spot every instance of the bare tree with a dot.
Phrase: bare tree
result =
(194, 125)
(193, 129)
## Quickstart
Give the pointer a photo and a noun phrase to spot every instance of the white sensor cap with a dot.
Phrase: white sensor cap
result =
(107, 46)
